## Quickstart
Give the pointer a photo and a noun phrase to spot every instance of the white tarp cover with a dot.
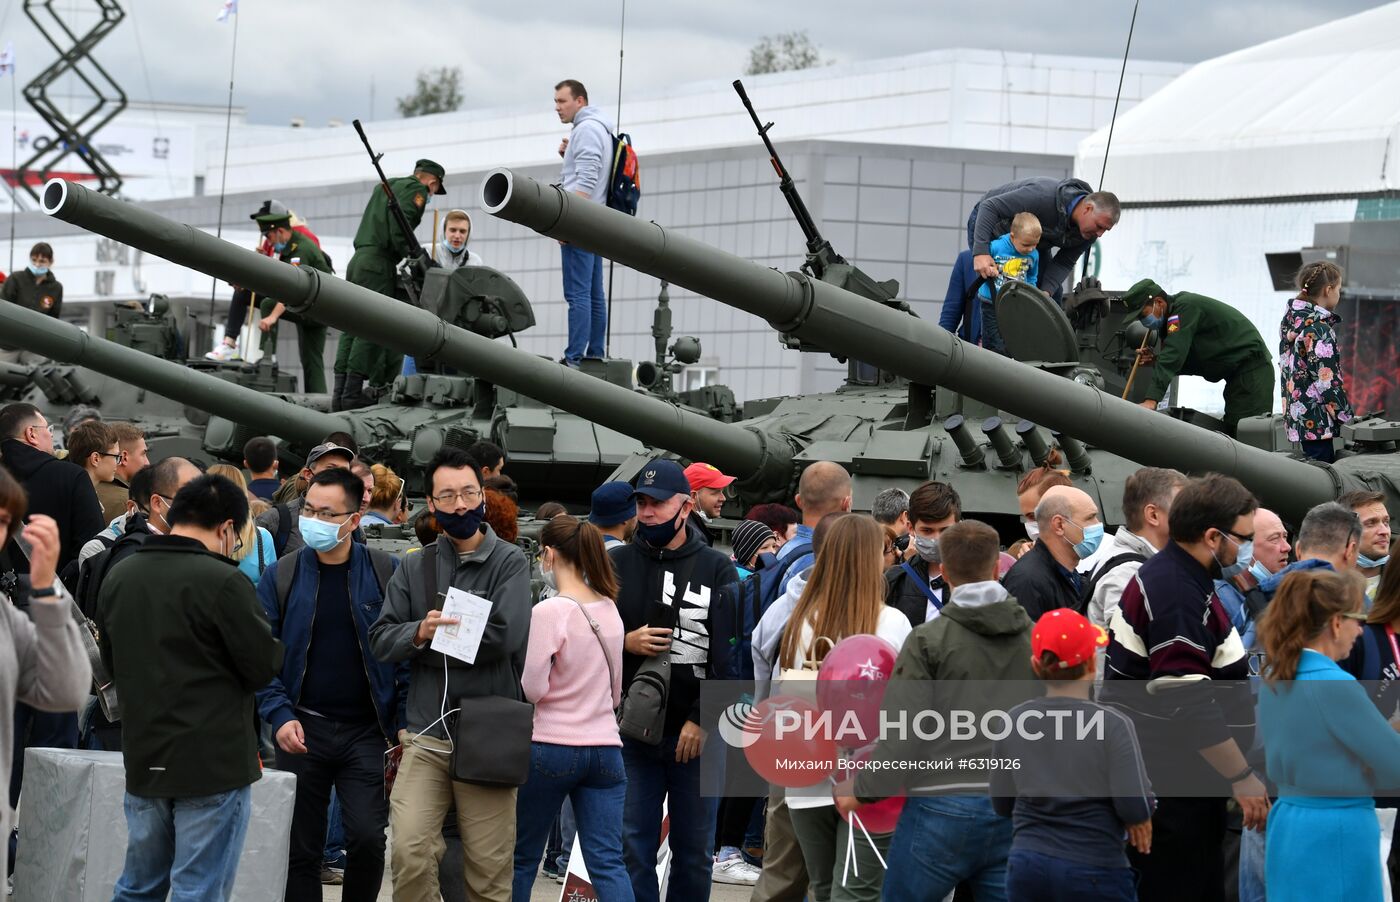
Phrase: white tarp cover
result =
(73, 832)
(1314, 113)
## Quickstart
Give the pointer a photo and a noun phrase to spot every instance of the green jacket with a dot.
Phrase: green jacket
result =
(302, 251)
(24, 288)
(379, 231)
(975, 656)
(187, 644)
(1201, 336)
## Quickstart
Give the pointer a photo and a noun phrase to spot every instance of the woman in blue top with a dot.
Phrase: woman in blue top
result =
(1328, 748)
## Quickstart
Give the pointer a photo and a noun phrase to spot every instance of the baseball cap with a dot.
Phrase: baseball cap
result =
(747, 537)
(325, 448)
(706, 476)
(662, 479)
(612, 504)
(1069, 635)
(271, 207)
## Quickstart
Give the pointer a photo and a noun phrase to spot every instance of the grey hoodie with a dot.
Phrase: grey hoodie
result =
(588, 157)
(768, 634)
(465, 257)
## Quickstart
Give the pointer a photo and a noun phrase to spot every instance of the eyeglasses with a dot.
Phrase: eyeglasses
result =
(471, 496)
(116, 457)
(1236, 536)
(324, 515)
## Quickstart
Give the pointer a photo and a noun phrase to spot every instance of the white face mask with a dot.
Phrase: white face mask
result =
(547, 574)
(1032, 530)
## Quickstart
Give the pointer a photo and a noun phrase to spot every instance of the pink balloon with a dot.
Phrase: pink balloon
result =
(851, 683)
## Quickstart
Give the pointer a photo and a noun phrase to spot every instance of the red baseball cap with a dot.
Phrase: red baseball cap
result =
(1068, 634)
(706, 476)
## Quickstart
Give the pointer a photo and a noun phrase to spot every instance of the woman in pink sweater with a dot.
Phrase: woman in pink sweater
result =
(573, 674)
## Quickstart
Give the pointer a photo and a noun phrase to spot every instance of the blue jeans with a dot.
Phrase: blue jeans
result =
(588, 304)
(941, 841)
(1033, 877)
(594, 780)
(188, 848)
(653, 776)
(1252, 866)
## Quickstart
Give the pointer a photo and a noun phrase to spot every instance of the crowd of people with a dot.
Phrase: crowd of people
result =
(279, 638)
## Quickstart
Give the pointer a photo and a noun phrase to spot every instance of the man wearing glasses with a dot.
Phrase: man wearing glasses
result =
(57, 488)
(281, 519)
(334, 707)
(468, 557)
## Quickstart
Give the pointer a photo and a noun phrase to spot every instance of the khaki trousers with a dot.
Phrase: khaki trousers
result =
(423, 791)
(784, 874)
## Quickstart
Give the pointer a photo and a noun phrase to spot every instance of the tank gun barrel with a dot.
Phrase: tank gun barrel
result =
(65, 342)
(417, 332)
(914, 348)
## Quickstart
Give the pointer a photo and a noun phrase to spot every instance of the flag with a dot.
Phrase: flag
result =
(7, 60)
(230, 8)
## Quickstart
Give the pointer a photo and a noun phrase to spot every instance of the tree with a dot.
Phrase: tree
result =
(783, 52)
(435, 91)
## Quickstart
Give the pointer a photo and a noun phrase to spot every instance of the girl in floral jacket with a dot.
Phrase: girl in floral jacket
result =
(1315, 403)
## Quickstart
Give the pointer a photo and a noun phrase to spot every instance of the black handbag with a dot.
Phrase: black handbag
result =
(491, 738)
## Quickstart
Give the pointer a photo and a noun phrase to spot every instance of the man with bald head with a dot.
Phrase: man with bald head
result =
(1045, 578)
(824, 488)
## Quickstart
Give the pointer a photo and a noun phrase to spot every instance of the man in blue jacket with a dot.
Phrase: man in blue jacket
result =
(587, 170)
(335, 708)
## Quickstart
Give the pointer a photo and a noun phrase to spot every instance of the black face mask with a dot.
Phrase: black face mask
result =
(661, 534)
(462, 526)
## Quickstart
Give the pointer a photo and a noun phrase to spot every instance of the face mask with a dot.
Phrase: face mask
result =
(279, 246)
(927, 549)
(549, 578)
(38, 270)
(454, 251)
(319, 535)
(1032, 530)
(1243, 558)
(1367, 563)
(1093, 535)
(661, 534)
(1257, 571)
(462, 526)
(1151, 321)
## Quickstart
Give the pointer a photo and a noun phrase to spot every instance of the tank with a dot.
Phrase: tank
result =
(940, 410)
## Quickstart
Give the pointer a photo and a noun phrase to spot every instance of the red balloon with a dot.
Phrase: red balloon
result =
(851, 685)
(792, 747)
(877, 817)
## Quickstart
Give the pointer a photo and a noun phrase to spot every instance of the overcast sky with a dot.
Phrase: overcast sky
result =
(318, 59)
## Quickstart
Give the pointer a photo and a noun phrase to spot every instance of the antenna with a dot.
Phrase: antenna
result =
(617, 128)
(1113, 119)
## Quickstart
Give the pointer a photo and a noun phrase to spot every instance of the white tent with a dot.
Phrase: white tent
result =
(1315, 113)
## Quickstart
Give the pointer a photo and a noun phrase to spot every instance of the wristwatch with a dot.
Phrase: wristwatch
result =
(48, 591)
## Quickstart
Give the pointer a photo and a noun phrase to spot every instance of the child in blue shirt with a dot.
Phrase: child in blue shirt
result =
(1017, 258)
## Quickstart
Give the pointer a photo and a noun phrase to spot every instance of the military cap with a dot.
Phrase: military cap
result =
(274, 221)
(432, 168)
(1137, 297)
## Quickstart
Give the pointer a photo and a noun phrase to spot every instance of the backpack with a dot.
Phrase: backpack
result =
(737, 611)
(624, 183)
(1109, 566)
(93, 571)
(382, 561)
(284, 530)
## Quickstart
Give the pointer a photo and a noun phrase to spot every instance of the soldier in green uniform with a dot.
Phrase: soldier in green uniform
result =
(379, 246)
(1200, 336)
(292, 247)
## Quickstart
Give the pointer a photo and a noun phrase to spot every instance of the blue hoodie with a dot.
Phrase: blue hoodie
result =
(1233, 599)
(588, 158)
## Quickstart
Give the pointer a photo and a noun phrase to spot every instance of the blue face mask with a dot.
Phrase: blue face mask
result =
(279, 246)
(1093, 537)
(1151, 321)
(1244, 556)
(318, 534)
(1257, 571)
(38, 270)
(1367, 563)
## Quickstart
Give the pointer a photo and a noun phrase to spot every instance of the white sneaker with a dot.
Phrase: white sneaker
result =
(223, 352)
(735, 871)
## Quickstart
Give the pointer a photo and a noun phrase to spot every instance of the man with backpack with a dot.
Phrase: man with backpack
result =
(1147, 501)
(281, 519)
(587, 170)
(334, 707)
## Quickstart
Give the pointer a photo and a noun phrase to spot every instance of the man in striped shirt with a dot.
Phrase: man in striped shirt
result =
(1177, 667)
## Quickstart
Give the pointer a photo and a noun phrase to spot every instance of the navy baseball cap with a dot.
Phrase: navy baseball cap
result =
(612, 504)
(662, 479)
